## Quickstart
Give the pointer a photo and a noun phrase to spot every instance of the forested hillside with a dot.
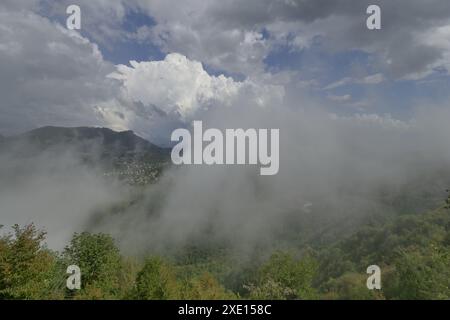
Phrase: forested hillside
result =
(317, 250)
(413, 252)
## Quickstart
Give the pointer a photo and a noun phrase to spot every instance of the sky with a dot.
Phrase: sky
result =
(153, 65)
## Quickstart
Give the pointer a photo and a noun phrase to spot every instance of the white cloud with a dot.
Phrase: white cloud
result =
(368, 80)
(373, 79)
(101, 19)
(342, 82)
(438, 37)
(177, 85)
(198, 30)
(385, 121)
(340, 99)
(216, 32)
(49, 75)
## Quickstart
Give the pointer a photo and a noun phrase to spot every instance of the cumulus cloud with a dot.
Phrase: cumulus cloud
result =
(194, 29)
(49, 75)
(237, 37)
(177, 85)
(101, 19)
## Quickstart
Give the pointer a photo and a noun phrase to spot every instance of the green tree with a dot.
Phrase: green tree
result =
(100, 263)
(28, 270)
(205, 287)
(157, 281)
(284, 277)
(421, 275)
(351, 286)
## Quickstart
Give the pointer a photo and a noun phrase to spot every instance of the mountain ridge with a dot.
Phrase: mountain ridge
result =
(85, 133)
(122, 154)
(48, 136)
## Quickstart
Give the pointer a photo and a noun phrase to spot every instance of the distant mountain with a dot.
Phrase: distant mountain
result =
(122, 154)
(104, 139)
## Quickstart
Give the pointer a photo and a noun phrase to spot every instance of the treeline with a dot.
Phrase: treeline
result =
(412, 251)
